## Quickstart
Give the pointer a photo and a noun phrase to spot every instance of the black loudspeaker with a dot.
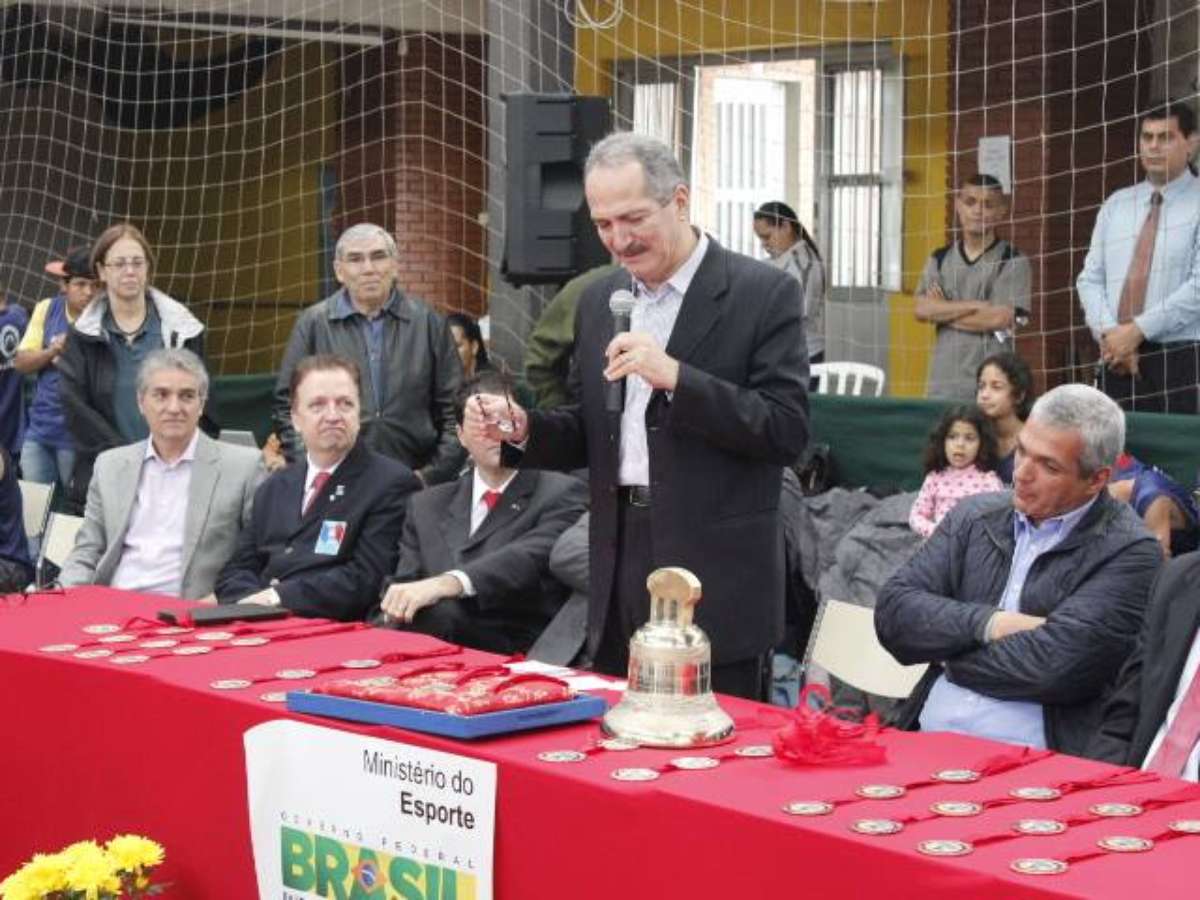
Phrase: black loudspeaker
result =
(549, 237)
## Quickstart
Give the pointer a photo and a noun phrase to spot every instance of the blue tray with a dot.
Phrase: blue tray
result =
(582, 707)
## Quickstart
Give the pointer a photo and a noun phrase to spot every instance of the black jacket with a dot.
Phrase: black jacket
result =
(279, 549)
(422, 373)
(89, 373)
(1092, 589)
(1147, 685)
(718, 446)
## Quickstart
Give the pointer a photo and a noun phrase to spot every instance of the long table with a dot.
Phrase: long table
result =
(90, 749)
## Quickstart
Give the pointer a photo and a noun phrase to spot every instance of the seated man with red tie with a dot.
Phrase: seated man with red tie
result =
(475, 553)
(1152, 719)
(324, 529)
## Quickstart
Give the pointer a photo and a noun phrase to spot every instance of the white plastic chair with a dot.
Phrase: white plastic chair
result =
(59, 539)
(35, 503)
(844, 644)
(847, 377)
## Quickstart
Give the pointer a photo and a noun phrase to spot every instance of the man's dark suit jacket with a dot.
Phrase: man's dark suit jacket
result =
(1146, 687)
(717, 446)
(507, 558)
(367, 492)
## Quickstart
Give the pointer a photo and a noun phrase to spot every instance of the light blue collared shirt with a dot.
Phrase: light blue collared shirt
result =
(953, 708)
(1172, 308)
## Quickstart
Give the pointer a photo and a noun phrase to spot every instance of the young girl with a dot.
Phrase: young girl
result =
(1004, 393)
(959, 461)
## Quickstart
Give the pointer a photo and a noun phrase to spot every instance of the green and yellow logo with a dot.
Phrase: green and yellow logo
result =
(342, 871)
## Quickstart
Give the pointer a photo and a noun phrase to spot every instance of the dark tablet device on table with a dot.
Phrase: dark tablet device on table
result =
(220, 615)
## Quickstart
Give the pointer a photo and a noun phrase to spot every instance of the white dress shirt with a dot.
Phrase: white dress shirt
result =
(152, 555)
(654, 313)
(1191, 669)
(479, 511)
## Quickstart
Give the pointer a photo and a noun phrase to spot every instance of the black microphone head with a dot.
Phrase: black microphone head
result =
(621, 303)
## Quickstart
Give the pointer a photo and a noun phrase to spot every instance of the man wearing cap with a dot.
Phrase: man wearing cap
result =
(48, 454)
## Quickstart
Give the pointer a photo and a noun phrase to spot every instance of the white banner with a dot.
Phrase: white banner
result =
(340, 815)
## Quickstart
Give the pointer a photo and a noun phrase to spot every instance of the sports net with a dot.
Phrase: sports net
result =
(243, 137)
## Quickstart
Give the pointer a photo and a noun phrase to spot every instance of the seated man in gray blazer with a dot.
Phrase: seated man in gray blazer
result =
(474, 554)
(163, 514)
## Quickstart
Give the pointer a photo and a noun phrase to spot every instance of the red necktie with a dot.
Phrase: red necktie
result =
(490, 499)
(1133, 292)
(1181, 737)
(315, 491)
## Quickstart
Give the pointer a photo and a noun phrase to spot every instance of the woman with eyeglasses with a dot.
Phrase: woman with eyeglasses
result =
(123, 323)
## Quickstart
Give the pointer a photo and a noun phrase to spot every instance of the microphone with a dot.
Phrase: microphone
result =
(620, 304)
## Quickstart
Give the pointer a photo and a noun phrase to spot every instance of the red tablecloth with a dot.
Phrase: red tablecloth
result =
(91, 748)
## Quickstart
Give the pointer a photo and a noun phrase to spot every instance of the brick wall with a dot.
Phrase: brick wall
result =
(1061, 77)
(412, 158)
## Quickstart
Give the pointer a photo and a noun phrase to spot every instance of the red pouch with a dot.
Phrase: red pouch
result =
(448, 688)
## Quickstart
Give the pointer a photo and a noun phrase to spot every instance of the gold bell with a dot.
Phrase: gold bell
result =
(669, 700)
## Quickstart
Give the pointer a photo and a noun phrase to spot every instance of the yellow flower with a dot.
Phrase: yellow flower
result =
(91, 871)
(130, 852)
(40, 876)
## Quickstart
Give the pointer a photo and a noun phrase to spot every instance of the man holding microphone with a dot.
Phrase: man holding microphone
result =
(685, 420)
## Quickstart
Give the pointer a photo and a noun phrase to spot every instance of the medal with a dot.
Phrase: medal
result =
(158, 644)
(274, 696)
(877, 826)
(171, 629)
(755, 750)
(561, 756)
(1039, 826)
(249, 641)
(294, 674)
(956, 808)
(117, 638)
(1185, 826)
(880, 791)
(944, 848)
(1031, 866)
(101, 629)
(95, 653)
(1115, 809)
(361, 664)
(1040, 794)
(1123, 844)
(808, 808)
(129, 659)
(956, 776)
(58, 648)
(230, 684)
(192, 650)
(618, 745)
(695, 763)
(214, 635)
(634, 774)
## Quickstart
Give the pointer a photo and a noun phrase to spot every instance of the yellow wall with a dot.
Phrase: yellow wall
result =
(915, 32)
(234, 204)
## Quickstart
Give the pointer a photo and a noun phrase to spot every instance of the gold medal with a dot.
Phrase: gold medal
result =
(1033, 866)
(944, 848)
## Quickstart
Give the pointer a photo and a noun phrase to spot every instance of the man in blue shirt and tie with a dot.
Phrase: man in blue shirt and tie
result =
(1140, 284)
(1026, 604)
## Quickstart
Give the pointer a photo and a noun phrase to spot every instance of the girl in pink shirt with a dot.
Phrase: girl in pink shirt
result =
(960, 460)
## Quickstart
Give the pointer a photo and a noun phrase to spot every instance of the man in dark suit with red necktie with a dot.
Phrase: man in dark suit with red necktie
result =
(475, 553)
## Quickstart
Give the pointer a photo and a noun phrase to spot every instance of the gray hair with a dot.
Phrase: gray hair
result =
(181, 359)
(1097, 418)
(364, 231)
(662, 170)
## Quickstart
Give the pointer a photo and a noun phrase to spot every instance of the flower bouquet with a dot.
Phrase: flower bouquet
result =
(87, 871)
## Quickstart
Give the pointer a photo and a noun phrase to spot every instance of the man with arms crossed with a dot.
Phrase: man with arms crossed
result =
(1026, 604)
